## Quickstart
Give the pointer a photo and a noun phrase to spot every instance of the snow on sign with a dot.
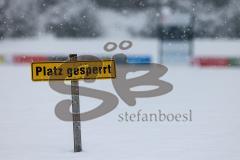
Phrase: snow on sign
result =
(76, 70)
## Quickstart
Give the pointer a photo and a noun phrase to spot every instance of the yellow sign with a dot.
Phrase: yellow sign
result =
(52, 71)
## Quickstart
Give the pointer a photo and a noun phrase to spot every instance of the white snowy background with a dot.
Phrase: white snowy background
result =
(30, 130)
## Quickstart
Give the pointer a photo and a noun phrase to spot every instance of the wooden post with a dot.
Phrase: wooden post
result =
(76, 111)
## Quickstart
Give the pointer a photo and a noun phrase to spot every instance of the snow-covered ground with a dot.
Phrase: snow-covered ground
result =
(217, 48)
(30, 130)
